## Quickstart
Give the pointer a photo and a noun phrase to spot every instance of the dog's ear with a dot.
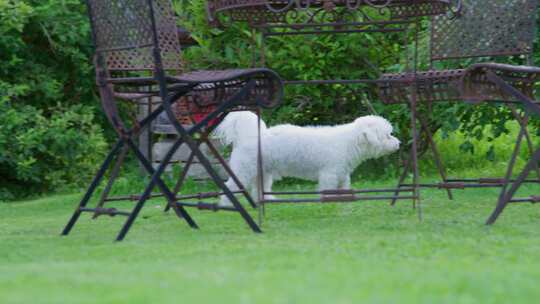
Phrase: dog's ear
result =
(369, 136)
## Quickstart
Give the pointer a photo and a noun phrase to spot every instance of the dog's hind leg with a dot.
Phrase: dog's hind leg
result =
(249, 182)
(345, 182)
(328, 181)
(268, 181)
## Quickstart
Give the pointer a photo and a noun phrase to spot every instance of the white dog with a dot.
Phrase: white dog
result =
(327, 154)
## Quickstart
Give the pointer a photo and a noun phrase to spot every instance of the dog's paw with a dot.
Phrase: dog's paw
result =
(225, 202)
(269, 197)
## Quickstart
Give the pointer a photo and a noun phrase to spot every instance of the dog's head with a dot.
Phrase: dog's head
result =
(376, 135)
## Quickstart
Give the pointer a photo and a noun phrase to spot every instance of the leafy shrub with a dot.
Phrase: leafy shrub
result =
(49, 134)
(42, 153)
(357, 56)
(51, 119)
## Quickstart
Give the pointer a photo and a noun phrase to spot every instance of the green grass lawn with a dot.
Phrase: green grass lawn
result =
(343, 253)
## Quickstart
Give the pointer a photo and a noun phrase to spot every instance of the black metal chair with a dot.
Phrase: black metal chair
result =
(478, 30)
(138, 56)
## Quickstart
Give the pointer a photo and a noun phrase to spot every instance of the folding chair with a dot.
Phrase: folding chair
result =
(137, 50)
(477, 30)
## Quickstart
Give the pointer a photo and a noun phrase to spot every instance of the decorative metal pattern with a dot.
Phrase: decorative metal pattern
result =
(261, 12)
(432, 86)
(127, 35)
(124, 37)
(412, 9)
(485, 28)
(476, 87)
(123, 33)
(469, 84)
(188, 113)
(217, 86)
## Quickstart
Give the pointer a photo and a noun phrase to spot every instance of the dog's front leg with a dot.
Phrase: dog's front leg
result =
(224, 201)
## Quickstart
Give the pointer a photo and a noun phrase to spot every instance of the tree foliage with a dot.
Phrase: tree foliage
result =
(51, 124)
(355, 56)
(49, 135)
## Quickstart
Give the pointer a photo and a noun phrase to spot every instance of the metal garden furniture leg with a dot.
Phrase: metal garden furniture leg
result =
(186, 137)
(123, 144)
(114, 175)
(203, 139)
(137, 47)
(506, 196)
(95, 182)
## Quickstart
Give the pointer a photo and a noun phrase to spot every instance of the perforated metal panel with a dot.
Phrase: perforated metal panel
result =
(417, 8)
(485, 28)
(123, 33)
(260, 12)
(431, 86)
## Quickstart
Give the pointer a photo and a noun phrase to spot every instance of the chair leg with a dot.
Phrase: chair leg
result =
(114, 175)
(189, 162)
(512, 163)
(436, 154)
(416, 175)
(95, 182)
(192, 144)
(531, 151)
(530, 107)
(219, 182)
(507, 196)
(183, 176)
(125, 138)
(155, 180)
(181, 179)
(523, 121)
(402, 178)
(184, 137)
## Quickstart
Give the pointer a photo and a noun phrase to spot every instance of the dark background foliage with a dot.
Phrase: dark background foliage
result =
(53, 133)
(50, 135)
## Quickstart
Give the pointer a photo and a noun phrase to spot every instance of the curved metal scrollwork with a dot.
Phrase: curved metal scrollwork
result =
(455, 9)
(277, 6)
(265, 12)
(270, 6)
(382, 5)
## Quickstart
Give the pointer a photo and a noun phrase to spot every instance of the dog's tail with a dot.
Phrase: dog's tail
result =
(238, 128)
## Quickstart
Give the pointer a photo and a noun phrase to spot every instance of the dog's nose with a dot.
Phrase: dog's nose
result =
(396, 143)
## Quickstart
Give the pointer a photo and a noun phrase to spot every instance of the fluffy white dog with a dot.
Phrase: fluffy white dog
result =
(327, 154)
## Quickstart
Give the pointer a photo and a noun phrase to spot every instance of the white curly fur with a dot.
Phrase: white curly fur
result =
(327, 154)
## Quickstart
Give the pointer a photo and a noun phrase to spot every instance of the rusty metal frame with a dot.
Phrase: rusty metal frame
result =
(177, 189)
(330, 17)
(302, 17)
(346, 196)
(141, 35)
(510, 187)
(497, 84)
(302, 14)
(512, 86)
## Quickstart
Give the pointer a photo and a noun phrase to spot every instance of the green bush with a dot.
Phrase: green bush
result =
(357, 56)
(49, 135)
(42, 153)
(51, 124)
